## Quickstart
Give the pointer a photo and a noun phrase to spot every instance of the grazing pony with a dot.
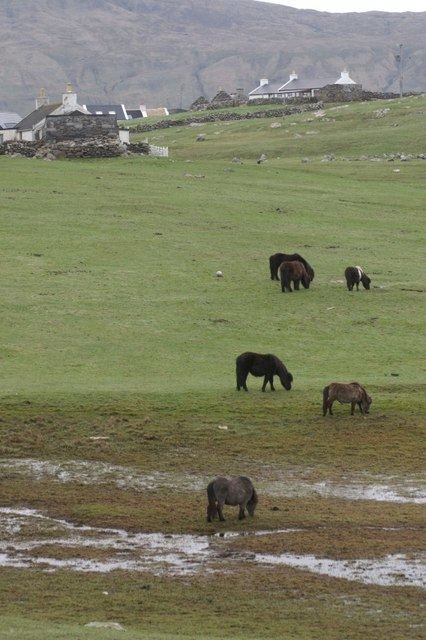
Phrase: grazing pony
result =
(261, 364)
(345, 393)
(276, 259)
(355, 275)
(236, 490)
(293, 272)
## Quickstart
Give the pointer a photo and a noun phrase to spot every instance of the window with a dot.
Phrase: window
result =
(112, 113)
(98, 113)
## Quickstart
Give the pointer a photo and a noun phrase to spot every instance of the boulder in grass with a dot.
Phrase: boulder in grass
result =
(116, 626)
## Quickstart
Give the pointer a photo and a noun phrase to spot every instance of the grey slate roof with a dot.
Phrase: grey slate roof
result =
(36, 116)
(134, 113)
(106, 108)
(309, 83)
(9, 120)
(271, 87)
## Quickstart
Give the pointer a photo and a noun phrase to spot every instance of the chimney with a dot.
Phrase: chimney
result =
(344, 78)
(264, 82)
(293, 76)
(69, 99)
(41, 99)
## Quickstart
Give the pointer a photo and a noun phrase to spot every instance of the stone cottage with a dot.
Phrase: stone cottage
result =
(66, 120)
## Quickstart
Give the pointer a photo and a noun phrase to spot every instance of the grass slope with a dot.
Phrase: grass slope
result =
(114, 325)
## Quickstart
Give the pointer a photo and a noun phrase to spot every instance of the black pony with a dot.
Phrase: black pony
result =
(261, 364)
(276, 259)
(355, 275)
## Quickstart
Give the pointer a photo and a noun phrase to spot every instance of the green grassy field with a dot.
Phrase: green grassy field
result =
(114, 326)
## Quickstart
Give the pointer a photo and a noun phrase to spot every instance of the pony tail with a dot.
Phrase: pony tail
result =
(254, 498)
(211, 506)
(252, 503)
(210, 492)
(325, 398)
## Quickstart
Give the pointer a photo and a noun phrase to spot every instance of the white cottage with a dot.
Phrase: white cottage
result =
(296, 87)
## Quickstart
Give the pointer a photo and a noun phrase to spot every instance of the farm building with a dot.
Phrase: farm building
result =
(8, 122)
(123, 113)
(118, 110)
(66, 120)
(296, 87)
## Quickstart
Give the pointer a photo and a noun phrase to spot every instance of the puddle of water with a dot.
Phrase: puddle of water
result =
(389, 571)
(400, 492)
(25, 533)
(89, 472)
(156, 552)
(291, 483)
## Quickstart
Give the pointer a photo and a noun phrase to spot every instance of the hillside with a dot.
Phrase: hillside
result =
(162, 51)
(118, 400)
(102, 284)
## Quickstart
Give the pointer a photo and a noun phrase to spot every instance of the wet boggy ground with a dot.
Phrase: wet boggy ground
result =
(380, 552)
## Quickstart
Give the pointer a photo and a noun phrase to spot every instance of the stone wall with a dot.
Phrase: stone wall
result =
(353, 93)
(289, 101)
(80, 127)
(228, 116)
(94, 148)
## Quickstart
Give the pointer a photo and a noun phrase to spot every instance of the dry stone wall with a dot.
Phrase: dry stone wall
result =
(95, 148)
(229, 116)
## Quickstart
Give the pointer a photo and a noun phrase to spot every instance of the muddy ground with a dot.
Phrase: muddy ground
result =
(334, 547)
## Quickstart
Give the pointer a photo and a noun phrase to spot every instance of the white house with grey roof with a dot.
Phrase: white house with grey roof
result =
(296, 87)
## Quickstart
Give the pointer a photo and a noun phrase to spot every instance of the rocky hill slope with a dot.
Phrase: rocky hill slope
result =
(169, 52)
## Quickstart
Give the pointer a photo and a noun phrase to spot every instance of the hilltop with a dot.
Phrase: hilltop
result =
(168, 52)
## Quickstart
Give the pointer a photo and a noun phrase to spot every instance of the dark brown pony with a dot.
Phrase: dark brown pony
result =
(277, 258)
(294, 272)
(355, 275)
(237, 490)
(352, 393)
(261, 364)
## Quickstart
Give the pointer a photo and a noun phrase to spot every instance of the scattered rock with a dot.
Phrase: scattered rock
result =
(222, 427)
(191, 175)
(380, 113)
(116, 626)
(328, 157)
(201, 137)
(262, 158)
(237, 160)
(219, 274)
(275, 125)
(305, 160)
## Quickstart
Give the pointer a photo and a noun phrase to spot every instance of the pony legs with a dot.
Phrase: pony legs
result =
(220, 511)
(270, 379)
